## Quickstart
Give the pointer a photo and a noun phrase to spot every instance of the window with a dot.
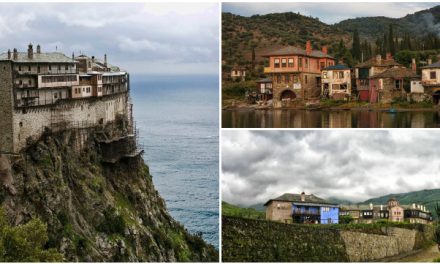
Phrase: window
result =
(38, 69)
(59, 67)
(433, 75)
(29, 82)
(322, 65)
(283, 63)
(300, 62)
(343, 86)
(55, 95)
(398, 85)
(324, 75)
(291, 64)
(305, 79)
(276, 63)
(29, 68)
(50, 67)
(307, 63)
(19, 68)
(67, 67)
(341, 75)
(20, 82)
(278, 78)
(295, 79)
(335, 86)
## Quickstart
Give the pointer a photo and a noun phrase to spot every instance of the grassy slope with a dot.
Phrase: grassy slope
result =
(232, 210)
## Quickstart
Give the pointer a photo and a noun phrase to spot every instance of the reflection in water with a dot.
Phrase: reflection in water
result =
(327, 119)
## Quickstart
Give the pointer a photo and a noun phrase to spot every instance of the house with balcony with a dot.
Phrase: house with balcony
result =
(365, 90)
(302, 208)
(431, 80)
(336, 82)
(296, 72)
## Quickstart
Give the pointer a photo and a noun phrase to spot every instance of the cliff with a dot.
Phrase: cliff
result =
(258, 240)
(94, 211)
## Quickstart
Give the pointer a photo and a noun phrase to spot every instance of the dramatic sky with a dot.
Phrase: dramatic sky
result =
(329, 12)
(354, 165)
(144, 38)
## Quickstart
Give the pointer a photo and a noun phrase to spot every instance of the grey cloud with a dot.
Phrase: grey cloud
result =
(355, 165)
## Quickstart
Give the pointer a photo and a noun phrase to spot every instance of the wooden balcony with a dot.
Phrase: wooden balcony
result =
(267, 69)
(305, 212)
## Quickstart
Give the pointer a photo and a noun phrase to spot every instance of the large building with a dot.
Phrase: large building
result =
(336, 82)
(296, 72)
(40, 90)
(301, 208)
(393, 211)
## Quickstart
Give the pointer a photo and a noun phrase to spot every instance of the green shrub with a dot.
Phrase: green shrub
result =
(113, 223)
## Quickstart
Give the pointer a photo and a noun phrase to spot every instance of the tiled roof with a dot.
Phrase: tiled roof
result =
(337, 67)
(434, 65)
(309, 198)
(396, 72)
(373, 62)
(39, 57)
(290, 50)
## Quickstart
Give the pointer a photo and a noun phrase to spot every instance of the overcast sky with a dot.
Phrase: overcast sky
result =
(144, 38)
(329, 12)
(354, 165)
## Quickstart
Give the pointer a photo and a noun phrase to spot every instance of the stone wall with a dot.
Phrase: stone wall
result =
(256, 240)
(30, 122)
(6, 142)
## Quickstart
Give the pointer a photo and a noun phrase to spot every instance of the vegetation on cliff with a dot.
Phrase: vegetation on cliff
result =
(96, 211)
(232, 210)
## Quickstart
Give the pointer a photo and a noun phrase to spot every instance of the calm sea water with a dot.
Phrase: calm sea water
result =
(178, 122)
(329, 119)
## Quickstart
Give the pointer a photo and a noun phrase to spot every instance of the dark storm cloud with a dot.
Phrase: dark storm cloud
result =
(329, 12)
(144, 38)
(355, 165)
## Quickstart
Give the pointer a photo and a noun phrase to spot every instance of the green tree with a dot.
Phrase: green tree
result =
(391, 44)
(345, 219)
(25, 243)
(356, 51)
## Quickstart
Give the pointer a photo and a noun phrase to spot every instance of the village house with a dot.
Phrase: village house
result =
(264, 89)
(296, 72)
(301, 208)
(367, 69)
(391, 84)
(336, 82)
(40, 90)
(431, 80)
(238, 73)
(393, 211)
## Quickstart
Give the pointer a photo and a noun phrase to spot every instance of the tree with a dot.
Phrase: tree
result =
(356, 51)
(25, 243)
(345, 219)
(391, 44)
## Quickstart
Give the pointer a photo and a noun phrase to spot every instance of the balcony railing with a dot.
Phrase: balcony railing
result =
(305, 212)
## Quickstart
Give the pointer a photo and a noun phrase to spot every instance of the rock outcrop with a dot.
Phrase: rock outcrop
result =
(94, 211)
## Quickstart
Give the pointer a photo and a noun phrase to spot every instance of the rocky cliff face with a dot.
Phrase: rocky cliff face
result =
(95, 211)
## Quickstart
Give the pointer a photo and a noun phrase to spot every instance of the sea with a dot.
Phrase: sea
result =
(178, 122)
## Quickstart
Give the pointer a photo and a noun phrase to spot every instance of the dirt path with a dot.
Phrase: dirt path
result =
(427, 255)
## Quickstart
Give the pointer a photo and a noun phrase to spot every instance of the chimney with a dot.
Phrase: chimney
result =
(9, 54)
(105, 60)
(389, 57)
(324, 50)
(308, 47)
(93, 59)
(73, 55)
(30, 51)
(429, 61)
(15, 54)
(378, 58)
(303, 197)
(38, 49)
(413, 65)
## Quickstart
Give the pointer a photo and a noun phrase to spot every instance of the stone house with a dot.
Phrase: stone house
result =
(301, 208)
(238, 73)
(264, 89)
(391, 84)
(363, 72)
(336, 82)
(296, 72)
(431, 80)
(40, 90)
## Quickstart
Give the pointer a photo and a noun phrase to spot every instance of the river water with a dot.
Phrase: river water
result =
(329, 119)
(178, 121)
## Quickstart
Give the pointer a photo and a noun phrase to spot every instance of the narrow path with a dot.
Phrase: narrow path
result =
(427, 255)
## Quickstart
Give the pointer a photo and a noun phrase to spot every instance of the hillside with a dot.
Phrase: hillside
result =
(241, 34)
(233, 210)
(417, 24)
